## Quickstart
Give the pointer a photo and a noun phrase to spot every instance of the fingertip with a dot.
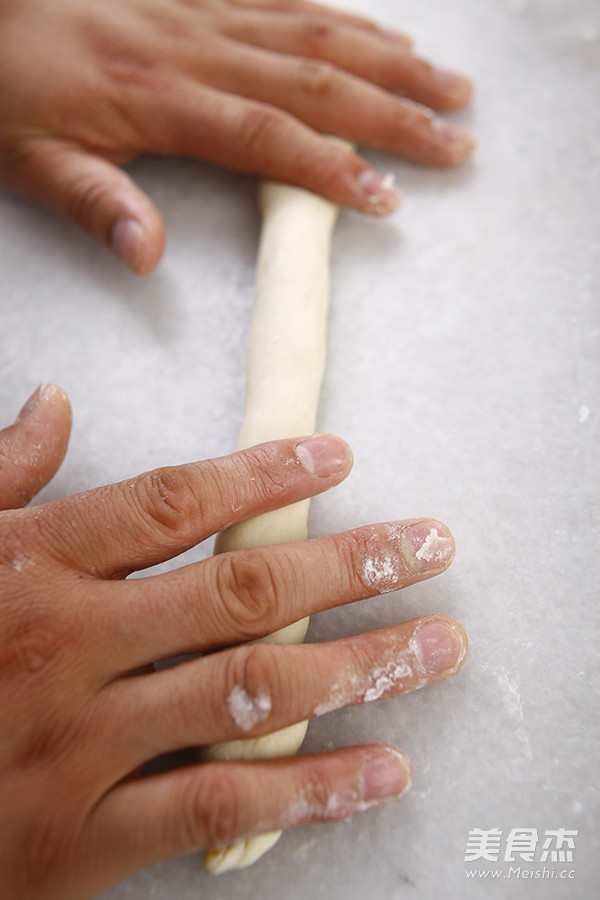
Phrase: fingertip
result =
(378, 195)
(34, 446)
(455, 90)
(440, 645)
(427, 546)
(61, 405)
(31, 403)
(399, 38)
(126, 240)
(456, 144)
(46, 394)
(346, 178)
(99, 197)
(139, 245)
(357, 185)
(464, 641)
(386, 774)
(152, 249)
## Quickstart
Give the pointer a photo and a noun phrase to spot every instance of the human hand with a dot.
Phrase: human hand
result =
(248, 84)
(80, 708)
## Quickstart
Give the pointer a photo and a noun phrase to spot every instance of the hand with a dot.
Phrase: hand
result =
(247, 84)
(81, 708)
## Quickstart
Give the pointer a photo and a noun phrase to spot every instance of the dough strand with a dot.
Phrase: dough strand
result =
(286, 361)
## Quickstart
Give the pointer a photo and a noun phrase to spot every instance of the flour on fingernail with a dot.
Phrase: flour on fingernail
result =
(435, 547)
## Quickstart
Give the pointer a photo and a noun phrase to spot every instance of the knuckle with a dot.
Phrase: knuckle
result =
(30, 653)
(256, 674)
(317, 78)
(318, 792)
(333, 169)
(317, 33)
(14, 533)
(212, 813)
(14, 472)
(266, 472)
(39, 684)
(355, 553)
(365, 24)
(413, 116)
(47, 850)
(260, 670)
(257, 130)
(85, 196)
(372, 560)
(167, 500)
(33, 643)
(247, 587)
(363, 659)
(35, 627)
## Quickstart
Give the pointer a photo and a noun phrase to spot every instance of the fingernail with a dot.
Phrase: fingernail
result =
(427, 546)
(438, 647)
(323, 455)
(457, 137)
(397, 37)
(126, 240)
(41, 391)
(451, 81)
(388, 775)
(380, 193)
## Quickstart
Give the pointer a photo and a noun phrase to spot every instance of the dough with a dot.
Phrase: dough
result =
(286, 360)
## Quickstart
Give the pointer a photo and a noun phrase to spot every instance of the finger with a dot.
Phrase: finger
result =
(318, 9)
(113, 530)
(368, 54)
(330, 100)
(241, 134)
(33, 448)
(260, 688)
(97, 195)
(216, 804)
(244, 595)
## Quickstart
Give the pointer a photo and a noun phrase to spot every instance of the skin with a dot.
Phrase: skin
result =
(82, 708)
(248, 84)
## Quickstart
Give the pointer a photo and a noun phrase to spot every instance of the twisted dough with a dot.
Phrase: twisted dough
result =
(286, 361)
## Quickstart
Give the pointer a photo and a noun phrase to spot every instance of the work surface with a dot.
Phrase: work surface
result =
(463, 370)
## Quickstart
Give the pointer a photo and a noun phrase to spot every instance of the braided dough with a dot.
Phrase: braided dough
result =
(286, 361)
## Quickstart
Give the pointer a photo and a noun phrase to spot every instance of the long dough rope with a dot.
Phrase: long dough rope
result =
(286, 361)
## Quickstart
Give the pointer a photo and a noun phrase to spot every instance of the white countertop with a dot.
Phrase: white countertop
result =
(463, 370)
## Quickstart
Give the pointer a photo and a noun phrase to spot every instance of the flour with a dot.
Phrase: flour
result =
(584, 414)
(341, 694)
(513, 706)
(382, 564)
(435, 547)
(247, 711)
(387, 677)
(21, 563)
(381, 571)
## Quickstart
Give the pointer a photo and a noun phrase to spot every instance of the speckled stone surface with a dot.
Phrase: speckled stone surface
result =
(463, 370)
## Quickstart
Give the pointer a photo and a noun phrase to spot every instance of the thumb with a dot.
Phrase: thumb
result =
(97, 195)
(33, 448)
